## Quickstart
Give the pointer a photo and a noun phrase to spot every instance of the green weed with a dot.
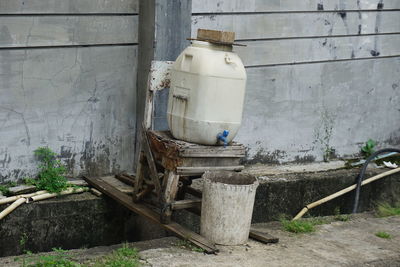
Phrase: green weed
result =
(340, 217)
(51, 174)
(368, 148)
(122, 257)
(185, 244)
(59, 259)
(4, 188)
(383, 235)
(298, 226)
(385, 209)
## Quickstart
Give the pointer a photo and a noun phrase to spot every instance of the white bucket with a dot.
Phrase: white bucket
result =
(227, 207)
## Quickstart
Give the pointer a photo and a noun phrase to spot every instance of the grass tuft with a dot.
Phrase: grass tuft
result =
(341, 217)
(385, 209)
(382, 234)
(298, 226)
(185, 244)
(123, 257)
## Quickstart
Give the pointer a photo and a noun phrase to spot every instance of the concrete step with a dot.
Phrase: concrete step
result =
(85, 220)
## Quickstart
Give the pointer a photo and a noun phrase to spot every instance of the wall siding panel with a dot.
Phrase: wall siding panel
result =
(318, 49)
(212, 6)
(29, 31)
(68, 6)
(257, 26)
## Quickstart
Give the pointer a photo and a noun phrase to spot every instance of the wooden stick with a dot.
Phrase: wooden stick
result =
(12, 207)
(14, 198)
(96, 192)
(342, 192)
(50, 195)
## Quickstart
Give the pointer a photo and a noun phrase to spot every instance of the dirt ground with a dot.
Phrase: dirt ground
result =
(349, 243)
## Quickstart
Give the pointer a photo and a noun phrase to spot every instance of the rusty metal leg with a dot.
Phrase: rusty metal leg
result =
(169, 195)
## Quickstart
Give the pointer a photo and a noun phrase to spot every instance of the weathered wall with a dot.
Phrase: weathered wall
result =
(323, 76)
(68, 81)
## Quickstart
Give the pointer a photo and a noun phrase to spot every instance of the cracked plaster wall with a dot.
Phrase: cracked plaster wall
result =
(79, 101)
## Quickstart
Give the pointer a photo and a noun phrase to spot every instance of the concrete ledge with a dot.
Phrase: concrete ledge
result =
(286, 193)
(74, 221)
(85, 220)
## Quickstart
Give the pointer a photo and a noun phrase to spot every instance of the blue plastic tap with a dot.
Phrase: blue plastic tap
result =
(223, 137)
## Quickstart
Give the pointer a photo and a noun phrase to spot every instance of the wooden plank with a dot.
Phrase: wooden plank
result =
(21, 189)
(68, 6)
(164, 143)
(256, 26)
(263, 237)
(216, 36)
(31, 31)
(201, 170)
(139, 176)
(195, 192)
(213, 152)
(318, 49)
(169, 194)
(186, 203)
(151, 163)
(117, 184)
(143, 210)
(125, 179)
(212, 6)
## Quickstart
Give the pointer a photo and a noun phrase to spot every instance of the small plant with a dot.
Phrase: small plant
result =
(385, 209)
(51, 174)
(298, 226)
(122, 257)
(4, 188)
(340, 217)
(369, 148)
(383, 235)
(185, 244)
(59, 259)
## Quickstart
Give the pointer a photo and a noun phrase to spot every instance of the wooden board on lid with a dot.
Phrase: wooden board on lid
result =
(215, 36)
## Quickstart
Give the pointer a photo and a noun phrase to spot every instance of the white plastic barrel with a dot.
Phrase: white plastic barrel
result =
(227, 207)
(206, 95)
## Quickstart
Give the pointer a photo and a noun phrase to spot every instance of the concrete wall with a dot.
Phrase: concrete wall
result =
(323, 76)
(68, 81)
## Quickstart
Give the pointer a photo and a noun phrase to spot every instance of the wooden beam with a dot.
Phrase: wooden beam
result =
(201, 170)
(151, 163)
(263, 237)
(185, 204)
(143, 210)
(125, 179)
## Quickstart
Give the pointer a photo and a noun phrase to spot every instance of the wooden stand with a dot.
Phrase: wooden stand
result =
(173, 164)
(166, 168)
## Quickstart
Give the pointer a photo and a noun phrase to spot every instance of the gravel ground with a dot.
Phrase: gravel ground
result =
(350, 243)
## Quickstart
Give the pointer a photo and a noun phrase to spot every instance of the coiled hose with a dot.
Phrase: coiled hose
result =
(360, 177)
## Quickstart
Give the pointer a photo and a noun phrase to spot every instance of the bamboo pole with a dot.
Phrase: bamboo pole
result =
(14, 198)
(50, 195)
(12, 207)
(342, 192)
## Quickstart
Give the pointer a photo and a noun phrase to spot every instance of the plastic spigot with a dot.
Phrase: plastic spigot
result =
(223, 137)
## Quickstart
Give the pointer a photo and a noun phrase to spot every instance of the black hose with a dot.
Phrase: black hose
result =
(360, 177)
